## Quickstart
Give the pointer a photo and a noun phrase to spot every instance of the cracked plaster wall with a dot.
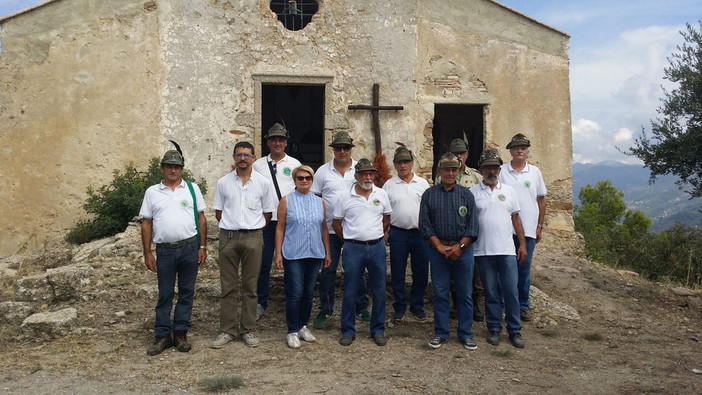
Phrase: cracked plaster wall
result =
(129, 75)
(79, 97)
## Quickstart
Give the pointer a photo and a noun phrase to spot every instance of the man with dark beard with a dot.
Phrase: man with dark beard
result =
(498, 214)
(362, 220)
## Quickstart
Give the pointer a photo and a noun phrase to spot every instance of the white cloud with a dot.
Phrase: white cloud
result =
(622, 135)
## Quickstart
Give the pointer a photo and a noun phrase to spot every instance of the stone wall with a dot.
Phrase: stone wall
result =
(110, 83)
(80, 84)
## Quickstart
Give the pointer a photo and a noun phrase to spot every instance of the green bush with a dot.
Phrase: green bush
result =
(115, 204)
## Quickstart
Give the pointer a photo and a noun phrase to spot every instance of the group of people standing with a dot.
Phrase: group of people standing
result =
(474, 232)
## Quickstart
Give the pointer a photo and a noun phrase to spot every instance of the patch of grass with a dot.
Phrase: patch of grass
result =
(502, 354)
(549, 333)
(221, 383)
(593, 337)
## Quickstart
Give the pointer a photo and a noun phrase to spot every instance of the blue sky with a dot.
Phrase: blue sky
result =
(618, 50)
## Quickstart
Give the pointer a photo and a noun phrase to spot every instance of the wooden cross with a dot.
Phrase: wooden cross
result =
(375, 110)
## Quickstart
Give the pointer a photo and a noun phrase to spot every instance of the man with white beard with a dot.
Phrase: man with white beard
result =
(498, 214)
(362, 220)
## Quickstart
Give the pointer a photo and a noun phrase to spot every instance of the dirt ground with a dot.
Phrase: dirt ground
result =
(633, 337)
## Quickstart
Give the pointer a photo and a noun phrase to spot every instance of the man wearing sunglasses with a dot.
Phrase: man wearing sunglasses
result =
(277, 167)
(331, 179)
(244, 200)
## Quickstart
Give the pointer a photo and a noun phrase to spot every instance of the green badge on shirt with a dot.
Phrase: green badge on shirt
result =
(184, 203)
(527, 184)
(287, 171)
(501, 197)
(376, 202)
(463, 211)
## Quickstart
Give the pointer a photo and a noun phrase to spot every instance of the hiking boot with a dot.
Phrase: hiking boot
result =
(160, 344)
(436, 342)
(260, 311)
(516, 340)
(181, 341)
(469, 344)
(321, 321)
(306, 335)
(293, 340)
(419, 315)
(398, 316)
(380, 339)
(222, 339)
(493, 338)
(250, 339)
(524, 315)
(364, 316)
(346, 340)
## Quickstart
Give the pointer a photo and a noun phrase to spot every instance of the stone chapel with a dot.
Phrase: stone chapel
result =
(88, 86)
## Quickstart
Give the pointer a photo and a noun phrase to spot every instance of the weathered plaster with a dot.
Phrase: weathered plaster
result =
(89, 85)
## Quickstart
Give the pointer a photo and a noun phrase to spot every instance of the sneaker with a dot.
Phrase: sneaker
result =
(398, 316)
(250, 339)
(380, 339)
(493, 338)
(346, 340)
(293, 340)
(306, 335)
(159, 345)
(260, 311)
(524, 315)
(181, 341)
(419, 315)
(221, 340)
(516, 340)
(469, 344)
(321, 321)
(364, 316)
(436, 342)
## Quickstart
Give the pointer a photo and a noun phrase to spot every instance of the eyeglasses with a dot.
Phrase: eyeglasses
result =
(303, 178)
(342, 148)
(244, 156)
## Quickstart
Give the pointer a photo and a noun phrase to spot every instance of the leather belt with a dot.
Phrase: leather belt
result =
(178, 244)
(406, 230)
(368, 242)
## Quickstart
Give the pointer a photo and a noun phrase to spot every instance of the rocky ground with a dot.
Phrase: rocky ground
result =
(596, 330)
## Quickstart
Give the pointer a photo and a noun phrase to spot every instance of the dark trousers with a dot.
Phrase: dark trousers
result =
(171, 264)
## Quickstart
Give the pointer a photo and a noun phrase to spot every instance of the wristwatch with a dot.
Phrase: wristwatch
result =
(463, 245)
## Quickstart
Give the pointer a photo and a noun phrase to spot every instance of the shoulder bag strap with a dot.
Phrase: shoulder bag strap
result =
(197, 217)
(275, 180)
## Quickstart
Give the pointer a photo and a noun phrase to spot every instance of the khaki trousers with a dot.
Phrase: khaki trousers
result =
(239, 249)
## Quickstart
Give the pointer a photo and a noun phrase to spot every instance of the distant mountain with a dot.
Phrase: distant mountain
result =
(661, 201)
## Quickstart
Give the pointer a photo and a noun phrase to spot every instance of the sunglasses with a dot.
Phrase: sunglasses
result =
(244, 156)
(342, 148)
(303, 178)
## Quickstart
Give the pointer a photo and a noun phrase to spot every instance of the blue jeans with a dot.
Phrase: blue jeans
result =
(178, 262)
(499, 276)
(300, 276)
(263, 287)
(357, 259)
(403, 243)
(524, 272)
(327, 280)
(461, 272)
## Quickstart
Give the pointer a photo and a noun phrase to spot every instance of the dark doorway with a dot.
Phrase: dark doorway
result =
(463, 121)
(301, 109)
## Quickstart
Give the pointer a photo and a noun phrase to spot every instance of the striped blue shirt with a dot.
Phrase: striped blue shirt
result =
(448, 215)
(303, 227)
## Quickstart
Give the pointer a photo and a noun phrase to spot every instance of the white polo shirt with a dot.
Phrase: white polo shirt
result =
(171, 211)
(283, 174)
(328, 183)
(529, 184)
(243, 205)
(404, 199)
(363, 218)
(495, 209)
